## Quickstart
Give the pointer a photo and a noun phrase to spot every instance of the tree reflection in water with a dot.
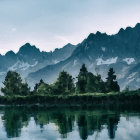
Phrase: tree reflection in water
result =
(14, 120)
(87, 121)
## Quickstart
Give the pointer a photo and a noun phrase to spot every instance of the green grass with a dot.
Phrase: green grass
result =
(74, 99)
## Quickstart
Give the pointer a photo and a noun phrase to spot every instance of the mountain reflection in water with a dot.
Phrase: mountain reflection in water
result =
(40, 123)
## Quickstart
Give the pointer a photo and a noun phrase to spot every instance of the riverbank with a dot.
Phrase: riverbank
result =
(132, 97)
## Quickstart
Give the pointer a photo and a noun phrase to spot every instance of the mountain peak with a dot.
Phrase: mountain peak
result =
(10, 53)
(28, 48)
(91, 36)
(96, 36)
(98, 33)
(137, 25)
(27, 44)
(69, 44)
(121, 31)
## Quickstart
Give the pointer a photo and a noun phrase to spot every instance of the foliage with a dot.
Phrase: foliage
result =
(111, 83)
(13, 85)
(42, 88)
(64, 84)
(37, 85)
(82, 79)
(87, 82)
(25, 90)
(94, 83)
(87, 121)
(125, 98)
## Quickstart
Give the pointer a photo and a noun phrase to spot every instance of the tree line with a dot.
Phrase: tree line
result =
(87, 121)
(86, 82)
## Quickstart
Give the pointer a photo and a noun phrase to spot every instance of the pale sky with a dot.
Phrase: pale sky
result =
(51, 24)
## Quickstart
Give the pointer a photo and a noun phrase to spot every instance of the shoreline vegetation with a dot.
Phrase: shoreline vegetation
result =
(86, 90)
(87, 99)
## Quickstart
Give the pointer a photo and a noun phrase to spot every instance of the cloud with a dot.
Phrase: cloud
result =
(52, 23)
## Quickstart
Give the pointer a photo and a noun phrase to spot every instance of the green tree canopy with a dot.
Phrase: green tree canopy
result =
(94, 83)
(111, 83)
(42, 88)
(13, 85)
(82, 79)
(64, 84)
(25, 90)
(38, 84)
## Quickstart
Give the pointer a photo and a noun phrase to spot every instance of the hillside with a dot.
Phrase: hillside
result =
(100, 52)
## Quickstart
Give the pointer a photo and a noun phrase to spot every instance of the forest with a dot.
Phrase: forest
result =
(86, 88)
(86, 82)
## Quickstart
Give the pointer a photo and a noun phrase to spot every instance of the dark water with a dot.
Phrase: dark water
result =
(22, 123)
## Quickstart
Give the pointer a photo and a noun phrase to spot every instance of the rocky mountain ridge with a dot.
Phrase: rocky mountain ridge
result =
(100, 52)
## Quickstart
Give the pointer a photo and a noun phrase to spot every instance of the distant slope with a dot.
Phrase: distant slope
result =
(30, 59)
(100, 52)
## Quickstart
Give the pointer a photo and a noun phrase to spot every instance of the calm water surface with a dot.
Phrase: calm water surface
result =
(21, 123)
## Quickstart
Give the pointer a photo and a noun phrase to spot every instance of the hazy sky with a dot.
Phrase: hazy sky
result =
(53, 23)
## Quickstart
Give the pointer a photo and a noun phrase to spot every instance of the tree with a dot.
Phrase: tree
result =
(82, 79)
(44, 88)
(94, 83)
(25, 90)
(111, 83)
(64, 84)
(13, 85)
(90, 86)
(37, 85)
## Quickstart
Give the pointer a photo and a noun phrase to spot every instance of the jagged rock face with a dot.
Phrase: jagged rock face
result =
(100, 52)
(30, 59)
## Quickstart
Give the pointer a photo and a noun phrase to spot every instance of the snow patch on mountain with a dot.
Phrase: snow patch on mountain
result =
(123, 72)
(131, 75)
(75, 62)
(56, 61)
(109, 61)
(129, 60)
(22, 66)
(130, 80)
(103, 49)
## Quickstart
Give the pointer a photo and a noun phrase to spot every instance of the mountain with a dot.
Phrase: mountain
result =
(100, 52)
(30, 59)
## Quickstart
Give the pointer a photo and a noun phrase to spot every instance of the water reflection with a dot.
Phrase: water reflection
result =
(64, 122)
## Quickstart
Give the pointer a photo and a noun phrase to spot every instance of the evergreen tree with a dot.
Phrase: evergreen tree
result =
(25, 90)
(90, 86)
(37, 85)
(13, 85)
(111, 83)
(82, 79)
(64, 84)
(94, 83)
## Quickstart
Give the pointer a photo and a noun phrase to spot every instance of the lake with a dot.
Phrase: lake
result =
(42, 123)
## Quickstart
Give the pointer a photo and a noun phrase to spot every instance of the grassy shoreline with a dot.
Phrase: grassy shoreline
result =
(125, 98)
